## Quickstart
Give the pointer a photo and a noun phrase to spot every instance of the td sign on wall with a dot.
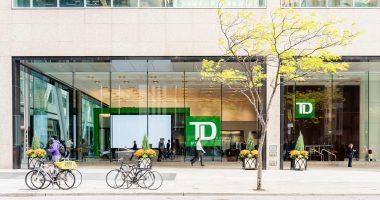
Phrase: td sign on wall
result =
(305, 108)
(208, 128)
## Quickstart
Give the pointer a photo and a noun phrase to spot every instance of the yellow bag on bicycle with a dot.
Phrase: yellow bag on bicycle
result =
(66, 164)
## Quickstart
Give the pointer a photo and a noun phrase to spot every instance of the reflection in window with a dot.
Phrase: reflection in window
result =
(340, 3)
(98, 3)
(71, 3)
(367, 3)
(152, 3)
(313, 3)
(290, 3)
(254, 3)
(44, 3)
(125, 3)
(21, 3)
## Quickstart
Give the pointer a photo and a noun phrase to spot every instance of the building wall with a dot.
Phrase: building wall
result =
(128, 32)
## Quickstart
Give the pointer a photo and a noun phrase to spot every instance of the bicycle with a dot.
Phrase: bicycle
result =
(144, 178)
(168, 155)
(49, 174)
(130, 174)
(77, 173)
(115, 178)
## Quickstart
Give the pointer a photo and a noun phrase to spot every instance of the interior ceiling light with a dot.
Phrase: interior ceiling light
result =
(155, 81)
(97, 81)
(126, 81)
(121, 77)
(90, 77)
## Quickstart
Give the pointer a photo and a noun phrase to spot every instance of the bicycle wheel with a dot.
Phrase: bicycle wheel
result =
(47, 183)
(158, 180)
(148, 179)
(115, 178)
(140, 177)
(171, 156)
(131, 178)
(65, 179)
(78, 178)
(38, 179)
(32, 177)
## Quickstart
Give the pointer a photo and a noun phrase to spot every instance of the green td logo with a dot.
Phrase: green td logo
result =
(305, 108)
(208, 128)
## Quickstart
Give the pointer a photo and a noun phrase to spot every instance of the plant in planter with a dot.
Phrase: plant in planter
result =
(35, 152)
(248, 156)
(299, 156)
(145, 154)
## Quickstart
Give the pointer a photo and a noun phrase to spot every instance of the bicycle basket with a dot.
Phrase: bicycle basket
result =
(68, 165)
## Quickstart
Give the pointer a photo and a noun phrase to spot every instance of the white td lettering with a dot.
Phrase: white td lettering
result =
(200, 130)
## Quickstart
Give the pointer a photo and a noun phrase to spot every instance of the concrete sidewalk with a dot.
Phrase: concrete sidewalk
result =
(211, 181)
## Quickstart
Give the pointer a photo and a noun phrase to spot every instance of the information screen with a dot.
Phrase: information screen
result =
(127, 128)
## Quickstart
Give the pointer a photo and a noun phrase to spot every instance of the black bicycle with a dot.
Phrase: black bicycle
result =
(130, 174)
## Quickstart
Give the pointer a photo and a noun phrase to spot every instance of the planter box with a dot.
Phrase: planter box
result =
(145, 163)
(33, 162)
(299, 164)
(249, 163)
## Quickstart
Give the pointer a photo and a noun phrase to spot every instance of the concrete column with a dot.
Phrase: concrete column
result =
(273, 145)
(6, 122)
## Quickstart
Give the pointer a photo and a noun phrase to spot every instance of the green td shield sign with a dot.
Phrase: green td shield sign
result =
(208, 128)
(305, 108)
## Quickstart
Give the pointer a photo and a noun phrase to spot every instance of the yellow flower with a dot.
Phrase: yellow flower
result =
(150, 152)
(294, 154)
(139, 153)
(30, 153)
(304, 154)
(254, 153)
(244, 153)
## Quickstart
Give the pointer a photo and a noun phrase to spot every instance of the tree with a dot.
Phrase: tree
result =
(300, 145)
(272, 50)
(250, 144)
(145, 142)
(36, 142)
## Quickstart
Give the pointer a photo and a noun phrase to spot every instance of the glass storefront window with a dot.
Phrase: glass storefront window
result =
(44, 3)
(98, 3)
(91, 94)
(140, 3)
(331, 3)
(313, 3)
(125, 3)
(340, 3)
(367, 3)
(71, 3)
(21, 3)
(152, 3)
(290, 3)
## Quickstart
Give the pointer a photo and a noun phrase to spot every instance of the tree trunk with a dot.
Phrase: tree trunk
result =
(260, 161)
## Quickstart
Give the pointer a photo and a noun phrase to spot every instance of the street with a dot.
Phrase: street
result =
(161, 197)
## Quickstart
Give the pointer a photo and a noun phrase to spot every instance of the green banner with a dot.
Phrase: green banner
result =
(208, 128)
(305, 108)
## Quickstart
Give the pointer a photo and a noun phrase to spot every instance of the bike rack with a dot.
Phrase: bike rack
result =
(328, 152)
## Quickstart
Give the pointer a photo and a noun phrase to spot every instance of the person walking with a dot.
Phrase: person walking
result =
(350, 154)
(134, 148)
(168, 149)
(199, 153)
(69, 147)
(161, 149)
(54, 149)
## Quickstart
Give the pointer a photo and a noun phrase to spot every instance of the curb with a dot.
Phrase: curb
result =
(27, 194)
